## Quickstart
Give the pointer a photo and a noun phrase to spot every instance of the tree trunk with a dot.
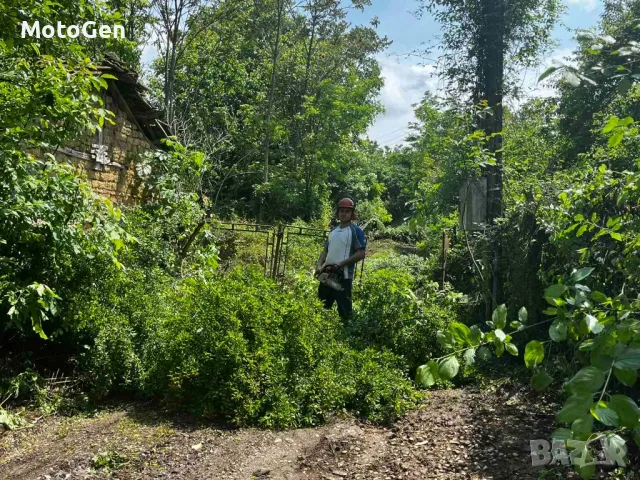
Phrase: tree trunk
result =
(491, 82)
(272, 88)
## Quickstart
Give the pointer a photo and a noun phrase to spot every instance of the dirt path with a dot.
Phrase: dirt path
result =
(457, 434)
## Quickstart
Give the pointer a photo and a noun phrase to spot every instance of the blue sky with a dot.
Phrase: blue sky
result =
(407, 78)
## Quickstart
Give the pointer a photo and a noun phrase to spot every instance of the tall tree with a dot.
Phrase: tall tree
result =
(172, 23)
(135, 16)
(275, 55)
(484, 43)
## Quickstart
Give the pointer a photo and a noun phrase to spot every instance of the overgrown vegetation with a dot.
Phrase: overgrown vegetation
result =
(152, 301)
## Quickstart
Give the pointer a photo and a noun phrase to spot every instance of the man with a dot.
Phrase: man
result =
(342, 250)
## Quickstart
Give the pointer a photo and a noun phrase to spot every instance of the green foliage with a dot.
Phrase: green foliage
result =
(525, 27)
(231, 91)
(604, 331)
(169, 226)
(236, 347)
(108, 460)
(372, 213)
(11, 421)
(54, 232)
(48, 214)
(392, 313)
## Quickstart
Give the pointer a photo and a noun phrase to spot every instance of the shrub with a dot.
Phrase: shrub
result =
(236, 347)
(390, 315)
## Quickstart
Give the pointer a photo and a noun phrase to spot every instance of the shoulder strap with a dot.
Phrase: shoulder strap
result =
(352, 248)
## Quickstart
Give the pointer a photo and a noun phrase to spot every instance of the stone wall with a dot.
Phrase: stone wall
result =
(110, 168)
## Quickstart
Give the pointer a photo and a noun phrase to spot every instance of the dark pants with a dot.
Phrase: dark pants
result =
(343, 298)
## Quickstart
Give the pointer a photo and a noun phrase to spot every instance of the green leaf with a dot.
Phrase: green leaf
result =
(541, 380)
(626, 377)
(626, 409)
(580, 274)
(483, 353)
(625, 122)
(547, 72)
(615, 445)
(476, 334)
(600, 361)
(628, 359)
(448, 367)
(581, 230)
(611, 124)
(470, 356)
(592, 323)
(598, 297)
(533, 353)
(558, 331)
(427, 374)
(562, 434)
(36, 323)
(587, 345)
(516, 325)
(616, 138)
(461, 333)
(587, 380)
(606, 416)
(575, 407)
(585, 466)
(523, 315)
(511, 348)
(555, 291)
(499, 347)
(582, 426)
(500, 335)
(446, 339)
(499, 316)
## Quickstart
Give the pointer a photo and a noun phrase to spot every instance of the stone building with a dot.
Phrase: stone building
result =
(108, 157)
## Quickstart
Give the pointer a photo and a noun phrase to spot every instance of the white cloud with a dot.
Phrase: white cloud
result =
(588, 5)
(404, 86)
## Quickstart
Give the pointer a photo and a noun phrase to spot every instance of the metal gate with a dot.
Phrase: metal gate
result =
(277, 243)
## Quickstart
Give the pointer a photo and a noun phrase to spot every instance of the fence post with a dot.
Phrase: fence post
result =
(276, 255)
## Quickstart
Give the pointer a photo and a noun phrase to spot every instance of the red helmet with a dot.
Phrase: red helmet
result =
(348, 203)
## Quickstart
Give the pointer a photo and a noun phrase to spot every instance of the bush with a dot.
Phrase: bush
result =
(389, 314)
(55, 234)
(419, 268)
(235, 347)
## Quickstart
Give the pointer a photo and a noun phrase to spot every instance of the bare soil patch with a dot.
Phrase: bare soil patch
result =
(456, 434)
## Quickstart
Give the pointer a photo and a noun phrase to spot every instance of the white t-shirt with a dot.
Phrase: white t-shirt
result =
(339, 246)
